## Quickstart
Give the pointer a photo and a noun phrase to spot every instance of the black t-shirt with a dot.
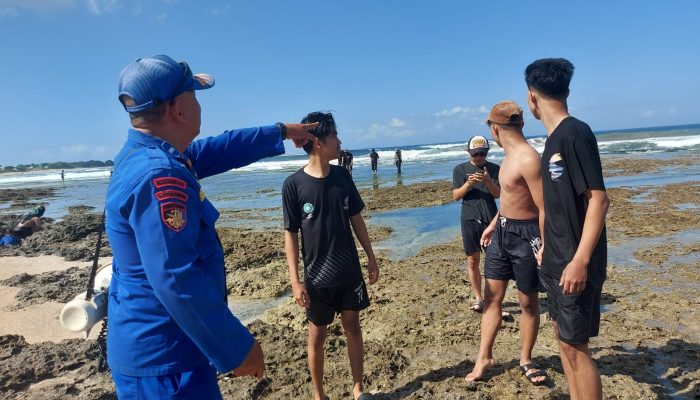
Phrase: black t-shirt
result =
(478, 204)
(321, 208)
(570, 166)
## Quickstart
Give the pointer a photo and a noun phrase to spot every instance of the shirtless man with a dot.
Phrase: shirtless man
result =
(513, 239)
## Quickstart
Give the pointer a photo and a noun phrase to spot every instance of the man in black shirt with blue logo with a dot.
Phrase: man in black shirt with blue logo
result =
(322, 201)
(575, 201)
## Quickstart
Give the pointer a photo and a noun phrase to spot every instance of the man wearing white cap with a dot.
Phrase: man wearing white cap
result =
(169, 327)
(475, 182)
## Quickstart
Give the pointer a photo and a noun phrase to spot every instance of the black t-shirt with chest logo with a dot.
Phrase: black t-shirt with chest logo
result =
(570, 166)
(321, 208)
(477, 204)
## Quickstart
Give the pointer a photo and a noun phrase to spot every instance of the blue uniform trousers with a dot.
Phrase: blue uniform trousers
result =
(199, 383)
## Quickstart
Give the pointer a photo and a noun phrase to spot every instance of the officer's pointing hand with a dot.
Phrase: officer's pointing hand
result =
(254, 363)
(299, 133)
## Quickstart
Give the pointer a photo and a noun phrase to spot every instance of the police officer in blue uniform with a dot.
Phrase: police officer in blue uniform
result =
(169, 327)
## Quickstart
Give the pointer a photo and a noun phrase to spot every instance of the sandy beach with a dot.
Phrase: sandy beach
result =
(420, 336)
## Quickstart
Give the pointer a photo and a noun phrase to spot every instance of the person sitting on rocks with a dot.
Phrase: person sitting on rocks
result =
(29, 223)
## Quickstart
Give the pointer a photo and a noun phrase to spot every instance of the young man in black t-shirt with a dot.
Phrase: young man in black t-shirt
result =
(575, 201)
(322, 201)
(475, 182)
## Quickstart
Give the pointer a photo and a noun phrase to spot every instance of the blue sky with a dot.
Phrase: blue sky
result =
(393, 72)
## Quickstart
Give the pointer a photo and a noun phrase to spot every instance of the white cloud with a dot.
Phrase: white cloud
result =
(98, 7)
(462, 111)
(396, 123)
(672, 110)
(219, 10)
(161, 17)
(648, 113)
(372, 132)
(454, 111)
(395, 128)
(9, 12)
(14, 8)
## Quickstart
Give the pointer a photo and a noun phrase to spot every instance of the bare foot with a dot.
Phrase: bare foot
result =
(480, 367)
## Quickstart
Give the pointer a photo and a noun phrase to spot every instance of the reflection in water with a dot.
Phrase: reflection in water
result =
(375, 181)
(399, 180)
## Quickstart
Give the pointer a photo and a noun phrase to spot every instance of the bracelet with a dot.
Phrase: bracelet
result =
(283, 130)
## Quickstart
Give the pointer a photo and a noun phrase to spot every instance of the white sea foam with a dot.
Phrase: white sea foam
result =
(675, 142)
(53, 176)
(423, 154)
(444, 146)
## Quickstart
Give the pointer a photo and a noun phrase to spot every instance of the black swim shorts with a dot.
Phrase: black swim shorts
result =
(511, 254)
(577, 316)
(327, 301)
(22, 232)
(471, 236)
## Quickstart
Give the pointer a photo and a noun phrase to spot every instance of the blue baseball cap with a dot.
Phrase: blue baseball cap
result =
(159, 79)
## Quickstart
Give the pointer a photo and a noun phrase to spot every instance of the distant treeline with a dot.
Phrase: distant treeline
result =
(56, 165)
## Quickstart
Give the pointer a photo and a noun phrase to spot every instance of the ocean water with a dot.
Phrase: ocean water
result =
(258, 185)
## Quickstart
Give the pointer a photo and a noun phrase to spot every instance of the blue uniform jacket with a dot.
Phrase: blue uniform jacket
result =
(167, 309)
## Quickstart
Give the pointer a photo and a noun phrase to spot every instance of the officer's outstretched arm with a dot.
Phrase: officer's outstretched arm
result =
(234, 149)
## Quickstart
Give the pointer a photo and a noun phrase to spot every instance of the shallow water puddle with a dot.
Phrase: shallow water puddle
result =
(248, 311)
(417, 228)
(664, 177)
(623, 253)
(687, 206)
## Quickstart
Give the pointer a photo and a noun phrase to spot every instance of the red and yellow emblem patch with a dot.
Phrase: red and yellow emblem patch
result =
(174, 215)
(169, 181)
(172, 194)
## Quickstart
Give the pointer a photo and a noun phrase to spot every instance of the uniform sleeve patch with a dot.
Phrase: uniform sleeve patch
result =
(174, 215)
(169, 181)
(172, 194)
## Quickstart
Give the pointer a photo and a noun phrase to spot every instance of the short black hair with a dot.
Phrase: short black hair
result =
(326, 126)
(550, 77)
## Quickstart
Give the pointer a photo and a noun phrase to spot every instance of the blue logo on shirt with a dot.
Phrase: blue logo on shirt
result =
(309, 210)
(555, 170)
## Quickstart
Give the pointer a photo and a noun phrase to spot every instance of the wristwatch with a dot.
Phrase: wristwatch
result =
(283, 130)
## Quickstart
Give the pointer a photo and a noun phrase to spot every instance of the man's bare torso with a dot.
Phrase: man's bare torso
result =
(516, 201)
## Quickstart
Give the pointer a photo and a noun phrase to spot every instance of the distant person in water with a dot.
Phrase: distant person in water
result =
(63, 176)
(374, 157)
(348, 161)
(28, 224)
(398, 160)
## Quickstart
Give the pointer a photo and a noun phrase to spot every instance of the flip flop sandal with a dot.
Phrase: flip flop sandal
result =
(537, 373)
(477, 306)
